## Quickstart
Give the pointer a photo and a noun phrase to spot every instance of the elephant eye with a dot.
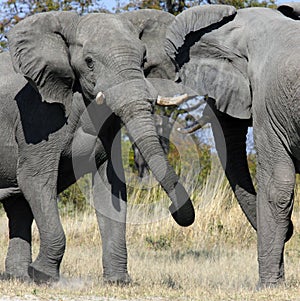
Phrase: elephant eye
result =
(89, 62)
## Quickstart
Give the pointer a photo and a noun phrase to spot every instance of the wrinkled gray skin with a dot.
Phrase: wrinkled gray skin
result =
(49, 137)
(164, 125)
(248, 62)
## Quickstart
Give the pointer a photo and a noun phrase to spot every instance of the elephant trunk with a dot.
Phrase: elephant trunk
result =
(138, 119)
(141, 128)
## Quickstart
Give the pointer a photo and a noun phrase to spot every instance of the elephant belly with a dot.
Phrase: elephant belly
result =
(7, 193)
(8, 166)
(83, 156)
(8, 144)
(8, 176)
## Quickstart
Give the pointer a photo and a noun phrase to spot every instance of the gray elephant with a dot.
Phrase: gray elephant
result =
(51, 135)
(247, 62)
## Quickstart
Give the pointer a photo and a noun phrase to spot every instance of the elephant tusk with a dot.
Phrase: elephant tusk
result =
(100, 98)
(171, 101)
(195, 126)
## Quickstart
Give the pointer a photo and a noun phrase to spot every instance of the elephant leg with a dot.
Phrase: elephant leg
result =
(230, 136)
(110, 201)
(111, 216)
(38, 182)
(276, 181)
(20, 219)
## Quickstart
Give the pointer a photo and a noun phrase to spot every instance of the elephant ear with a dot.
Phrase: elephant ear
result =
(206, 59)
(291, 10)
(151, 26)
(39, 50)
(196, 19)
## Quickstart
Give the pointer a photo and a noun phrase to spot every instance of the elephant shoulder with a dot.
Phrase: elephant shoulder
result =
(10, 81)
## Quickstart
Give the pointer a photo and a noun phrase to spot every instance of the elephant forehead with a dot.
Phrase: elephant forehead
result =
(101, 26)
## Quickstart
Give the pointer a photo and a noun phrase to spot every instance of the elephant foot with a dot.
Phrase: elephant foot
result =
(118, 279)
(40, 277)
(21, 278)
(269, 285)
(290, 232)
(18, 259)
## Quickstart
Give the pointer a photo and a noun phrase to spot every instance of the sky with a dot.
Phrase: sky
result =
(109, 4)
(278, 1)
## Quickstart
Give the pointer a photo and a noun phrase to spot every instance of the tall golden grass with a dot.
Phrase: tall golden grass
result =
(214, 259)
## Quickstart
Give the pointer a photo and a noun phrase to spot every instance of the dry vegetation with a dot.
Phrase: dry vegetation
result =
(215, 259)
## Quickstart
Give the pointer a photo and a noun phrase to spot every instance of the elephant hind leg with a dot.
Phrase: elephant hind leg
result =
(18, 256)
(276, 181)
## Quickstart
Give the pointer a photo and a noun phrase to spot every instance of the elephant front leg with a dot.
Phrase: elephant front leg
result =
(110, 200)
(110, 205)
(276, 182)
(230, 136)
(18, 256)
(39, 186)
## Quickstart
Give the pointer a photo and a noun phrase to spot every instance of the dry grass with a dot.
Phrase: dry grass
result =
(215, 259)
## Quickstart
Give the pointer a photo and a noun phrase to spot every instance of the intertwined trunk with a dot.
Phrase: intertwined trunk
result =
(139, 122)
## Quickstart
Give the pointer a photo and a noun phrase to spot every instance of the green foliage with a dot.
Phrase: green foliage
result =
(196, 152)
(73, 199)
(137, 4)
(128, 154)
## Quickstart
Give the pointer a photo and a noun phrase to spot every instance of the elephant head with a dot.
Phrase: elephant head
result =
(291, 10)
(105, 57)
(193, 42)
(152, 26)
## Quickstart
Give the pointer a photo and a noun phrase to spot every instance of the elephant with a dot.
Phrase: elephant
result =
(80, 79)
(247, 63)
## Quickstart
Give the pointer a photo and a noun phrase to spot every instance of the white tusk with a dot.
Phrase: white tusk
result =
(171, 101)
(100, 98)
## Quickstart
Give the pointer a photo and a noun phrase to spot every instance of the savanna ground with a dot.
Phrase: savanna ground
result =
(214, 259)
